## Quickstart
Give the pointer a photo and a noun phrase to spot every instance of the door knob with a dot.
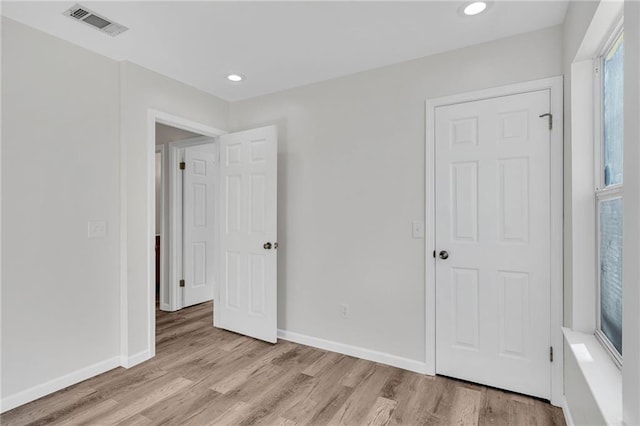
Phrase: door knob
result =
(267, 246)
(444, 255)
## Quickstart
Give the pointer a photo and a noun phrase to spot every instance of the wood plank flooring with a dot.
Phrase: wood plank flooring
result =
(205, 376)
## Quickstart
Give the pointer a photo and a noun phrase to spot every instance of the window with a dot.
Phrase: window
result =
(609, 195)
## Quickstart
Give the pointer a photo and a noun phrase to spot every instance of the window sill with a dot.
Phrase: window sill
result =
(600, 372)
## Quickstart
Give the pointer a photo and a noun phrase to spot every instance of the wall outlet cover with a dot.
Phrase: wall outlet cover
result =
(344, 310)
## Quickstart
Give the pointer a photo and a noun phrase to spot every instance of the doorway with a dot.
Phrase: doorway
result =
(494, 206)
(173, 147)
(220, 211)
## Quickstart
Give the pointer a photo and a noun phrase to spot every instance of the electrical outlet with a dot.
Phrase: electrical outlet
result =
(97, 229)
(344, 310)
(418, 229)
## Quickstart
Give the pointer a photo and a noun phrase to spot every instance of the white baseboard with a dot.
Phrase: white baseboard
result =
(31, 394)
(567, 413)
(133, 360)
(355, 351)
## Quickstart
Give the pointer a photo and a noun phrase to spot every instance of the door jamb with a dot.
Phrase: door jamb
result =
(155, 116)
(554, 85)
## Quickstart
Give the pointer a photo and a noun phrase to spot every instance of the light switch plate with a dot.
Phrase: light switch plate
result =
(418, 229)
(97, 229)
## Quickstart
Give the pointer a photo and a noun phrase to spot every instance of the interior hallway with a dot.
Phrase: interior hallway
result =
(202, 375)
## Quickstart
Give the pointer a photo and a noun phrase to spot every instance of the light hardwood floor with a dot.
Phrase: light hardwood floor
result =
(203, 376)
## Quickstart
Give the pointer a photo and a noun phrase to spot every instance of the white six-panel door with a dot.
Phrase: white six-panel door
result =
(493, 220)
(199, 231)
(247, 301)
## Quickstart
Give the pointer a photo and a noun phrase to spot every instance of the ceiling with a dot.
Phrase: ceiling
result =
(280, 45)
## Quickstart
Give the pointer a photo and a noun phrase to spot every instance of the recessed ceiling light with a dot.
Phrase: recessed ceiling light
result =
(235, 77)
(475, 8)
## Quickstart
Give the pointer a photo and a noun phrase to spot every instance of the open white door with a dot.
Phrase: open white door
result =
(199, 230)
(247, 299)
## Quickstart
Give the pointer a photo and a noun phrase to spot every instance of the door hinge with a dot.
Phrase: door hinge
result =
(551, 354)
(183, 165)
(181, 283)
(550, 119)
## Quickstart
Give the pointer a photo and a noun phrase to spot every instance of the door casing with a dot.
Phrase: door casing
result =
(555, 86)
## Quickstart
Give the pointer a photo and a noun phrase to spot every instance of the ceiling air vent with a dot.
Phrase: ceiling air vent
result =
(107, 26)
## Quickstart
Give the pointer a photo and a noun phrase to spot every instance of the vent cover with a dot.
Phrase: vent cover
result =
(94, 20)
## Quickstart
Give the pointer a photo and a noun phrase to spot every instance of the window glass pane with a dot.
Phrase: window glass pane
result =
(612, 110)
(611, 271)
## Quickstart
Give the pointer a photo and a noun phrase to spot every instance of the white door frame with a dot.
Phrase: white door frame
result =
(554, 85)
(154, 116)
(174, 230)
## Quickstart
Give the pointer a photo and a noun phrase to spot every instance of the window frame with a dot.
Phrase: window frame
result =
(603, 193)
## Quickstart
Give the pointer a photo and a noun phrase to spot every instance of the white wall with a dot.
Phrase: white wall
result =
(631, 261)
(579, 16)
(60, 304)
(140, 90)
(351, 181)
(75, 148)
